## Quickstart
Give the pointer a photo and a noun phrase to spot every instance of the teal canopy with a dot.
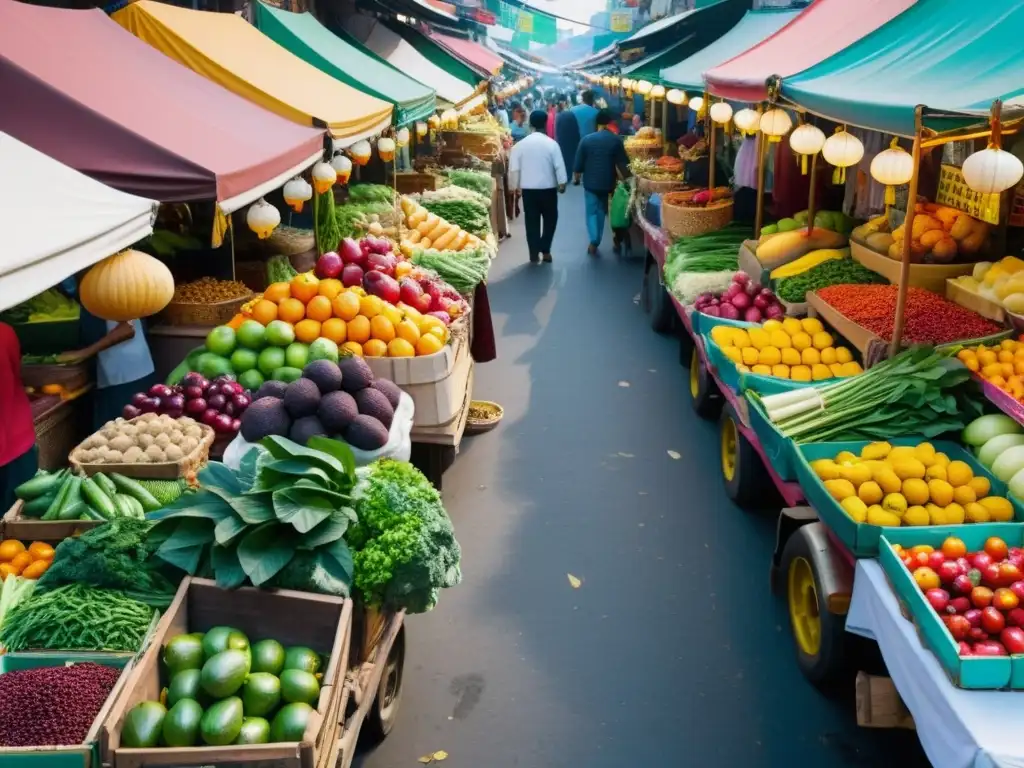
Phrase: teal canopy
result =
(304, 36)
(948, 55)
(754, 27)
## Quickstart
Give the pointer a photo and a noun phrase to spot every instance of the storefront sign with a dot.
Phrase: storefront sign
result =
(954, 192)
(622, 21)
(524, 22)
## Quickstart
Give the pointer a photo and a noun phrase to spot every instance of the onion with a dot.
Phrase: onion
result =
(350, 252)
(741, 278)
(761, 302)
(767, 293)
(732, 290)
(774, 312)
(740, 301)
(752, 315)
(713, 311)
(751, 289)
(728, 311)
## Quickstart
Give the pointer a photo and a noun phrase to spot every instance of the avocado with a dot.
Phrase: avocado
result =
(184, 685)
(224, 673)
(290, 722)
(299, 685)
(787, 225)
(371, 402)
(268, 656)
(255, 730)
(262, 693)
(301, 657)
(301, 398)
(355, 373)
(287, 374)
(337, 410)
(270, 388)
(366, 433)
(389, 389)
(222, 722)
(800, 217)
(305, 428)
(181, 724)
(769, 229)
(143, 724)
(266, 416)
(183, 652)
(325, 374)
(219, 639)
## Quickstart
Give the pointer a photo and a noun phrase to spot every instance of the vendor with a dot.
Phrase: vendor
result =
(19, 458)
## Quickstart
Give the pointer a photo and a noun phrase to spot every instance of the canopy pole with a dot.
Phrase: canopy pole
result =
(664, 128)
(758, 216)
(908, 238)
(711, 156)
(810, 196)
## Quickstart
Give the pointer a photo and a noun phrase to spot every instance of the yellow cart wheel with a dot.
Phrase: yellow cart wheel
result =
(746, 480)
(704, 395)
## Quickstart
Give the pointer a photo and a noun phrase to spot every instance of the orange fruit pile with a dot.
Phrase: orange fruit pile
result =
(30, 562)
(1001, 365)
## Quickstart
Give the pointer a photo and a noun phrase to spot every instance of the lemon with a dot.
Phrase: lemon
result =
(843, 355)
(759, 338)
(1000, 510)
(722, 335)
(790, 357)
(740, 338)
(964, 494)
(791, 326)
(750, 355)
(822, 340)
(772, 325)
(975, 513)
(820, 372)
(762, 370)
(925, 453)
(895, 503)
(958, 473)
(858, 474)
(875, 450)
(846, 457)
(852, 368)
(915, 491)
(825, 469)
(916, 515)
(940, 492)
(840, 489)
(879, 516)
(828, 355)
(980, 485)
(811, 325)
(941, 459)
(780, 371)
(869, 492)
(780, 339)
(936, 472)
(800, 373)
(810, 356)
(954, 514)
(769, 355)
(855, 508)
(801, 341)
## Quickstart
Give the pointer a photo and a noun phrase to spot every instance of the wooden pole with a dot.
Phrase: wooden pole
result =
(711, 155)
(908, 237)
(664, 128)
(810, 196)
(761, 141)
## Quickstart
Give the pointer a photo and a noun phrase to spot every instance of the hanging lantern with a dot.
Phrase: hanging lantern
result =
(386, 149)
(401, 138)
(992, 170)
(806, 141)
(842, 149)
(263, 218)
(775, 124)
(296, 192)
(360, 152)
(893, 167)
(324, 177)
(658, 92)
(421, 130)
(342, 166)
(434, 122)
(697, 104)
(128, 285)
(643, 87)
(450, 118)
(746, 121)
(675, 96)
(721, 113)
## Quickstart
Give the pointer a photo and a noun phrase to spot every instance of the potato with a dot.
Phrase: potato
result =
(131, 456)
(176, 436)
(194, 430)
(144, 440)
(114, 457)
(162, 440)
(189, 444)
(122, 443)
(156, 454)
(173, 453)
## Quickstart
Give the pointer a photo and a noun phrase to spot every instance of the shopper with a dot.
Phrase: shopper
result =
(19, 458)
(586, 114)
(552, 112)
(600, 160)
(519, 128)
(567, 133)
(536, 168)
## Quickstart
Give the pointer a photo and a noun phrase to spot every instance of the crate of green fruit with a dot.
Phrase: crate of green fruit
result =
(236, 677)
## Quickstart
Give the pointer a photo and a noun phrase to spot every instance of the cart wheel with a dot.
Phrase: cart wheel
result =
(384, 712)
(686, 349)
(746, 480)
(820, 636)
(704, 396)
(662, 311)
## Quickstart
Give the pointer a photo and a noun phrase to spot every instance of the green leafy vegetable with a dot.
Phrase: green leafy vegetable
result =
(328, 234)
(832, 272)
(371, 193)
(473, 217)
(462, 270)
(15, 591)
(477, 181)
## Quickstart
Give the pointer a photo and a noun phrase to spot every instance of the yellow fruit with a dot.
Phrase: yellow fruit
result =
(925, 453)
(780, 371)
(954, 514)
(370, 306)
(907, 468)
(354, 347)
(740, 338)
(800, 373)
(801, 341)
(394, 314)
(408, 330)
(319, 309)
(825, 469)
(840, 489)
(828, 355)
(790, 357)
(750, 355)
(759, 338)
(811, 325)
(307, 331)
(9, 549)
(975, 513)
(875, 450)
(843, 355)
(762, 370)
(980, 485)
(822, 340)
(855, 508)
(345, 305)
(964, 494)
(820, 372)
(334, 328)
(879, 516)
(722, 335)
(936, 472)
(836, 369)
(958, 473)
(381, 328)
(858, 474)
(940, 492)
(375, 348)
(428, 344)
(887, 480)
(791, 326)
(770, 355)
(772, 325)
(901, 452)
(852, 368)
(915, 491)
(810, 356)
(733, 353)
(401, 348)
(847, 457)
(936, 514)
(358, 329)
(999, 509)
(915, 515)
(780, 339)
(895, 503)
(941, 458)
(870, 492)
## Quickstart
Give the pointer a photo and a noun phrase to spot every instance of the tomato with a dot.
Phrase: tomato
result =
(926, 548)
(926, 578)
(981, 597)
(954, 548)
(996, 548)
(1009, 573)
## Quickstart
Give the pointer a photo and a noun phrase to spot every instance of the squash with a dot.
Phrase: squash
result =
(879, 241)
(807, 261)
(442, 242)
(127, 286)
(786, 246)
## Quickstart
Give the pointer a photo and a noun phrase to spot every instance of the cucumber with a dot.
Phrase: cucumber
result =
(123, 503)
(97, 499)
(58, 501)
(131, 488)
(88, 513)
(38, 506)
(105, 483)
(73, 496)
(73, 511)
(136, 507)
(42, 484)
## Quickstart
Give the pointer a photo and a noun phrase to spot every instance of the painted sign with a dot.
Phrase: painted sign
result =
(954, 192)
(622, 21)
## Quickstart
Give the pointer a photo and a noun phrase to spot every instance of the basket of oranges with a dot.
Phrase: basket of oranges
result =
(29, 562)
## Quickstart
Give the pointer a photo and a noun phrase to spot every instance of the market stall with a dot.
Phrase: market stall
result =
(475, 54)
(467, 70)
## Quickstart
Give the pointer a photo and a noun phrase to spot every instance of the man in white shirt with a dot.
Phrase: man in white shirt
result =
(536, 167)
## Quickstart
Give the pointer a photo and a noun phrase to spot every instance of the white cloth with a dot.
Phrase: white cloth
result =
(128, 361)
(536, 163)
(501, 115)
(957, 728)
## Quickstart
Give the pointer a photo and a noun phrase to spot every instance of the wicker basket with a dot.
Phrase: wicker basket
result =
(218, 313)
(71, 376)
(477, 424)
(644, 151)
(169, 470)
(682, 221)
(651, 186)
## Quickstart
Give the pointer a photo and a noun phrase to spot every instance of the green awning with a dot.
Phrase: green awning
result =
(436, 54)
(649, 67)
(302, 35)
(937, 53)
(754, 27)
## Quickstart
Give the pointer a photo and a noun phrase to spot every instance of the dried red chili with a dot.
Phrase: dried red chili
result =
(52, 706)
(928, 318)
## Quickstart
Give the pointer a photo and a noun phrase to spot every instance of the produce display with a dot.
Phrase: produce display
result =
(475, 181)
(836, 221)
(218, 404)
(996, 439)
(471, 216)
(451, 192)
(147, 439)
(701, 199)
(742, 300)
(27, 562)
(44, 307)
(775, 250)
(1001, 282)
(833, 267)
(15, 590)
(222, 690)
(209, 290)
(665, 168)
(977, 595)
(687, 287)
(462, 270)
(428, 230)
(712, 252)
(929, 318)
(1001, 365)
(940, 235)
(52, 706)
(910, 485)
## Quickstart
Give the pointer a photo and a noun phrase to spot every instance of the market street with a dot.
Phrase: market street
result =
(671, 652)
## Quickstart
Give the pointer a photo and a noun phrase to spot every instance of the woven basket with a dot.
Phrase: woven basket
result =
(169, 470)
(650, 186)
(642, 152)
(476, 425)
(681, 221)
(218, 313)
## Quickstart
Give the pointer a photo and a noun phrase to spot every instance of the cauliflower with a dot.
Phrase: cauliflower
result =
(122, 443)
(156, 454)
(146, 418)
(155, 428)
(87, 456)
(144, 440)
(188, 445)
(109, 432)
(93, 441)
(193, 430)
(131, 456)
(129, 430)
(114, 457)
(162, 440)
(176, 436)
(186, 421)
(173, 453)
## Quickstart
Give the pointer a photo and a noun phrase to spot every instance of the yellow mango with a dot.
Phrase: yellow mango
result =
(855, 508)
(915, 515)
(1000, 510)
(936, 514)
(895, 503)
(857, 474)
(840, 489)
(975, 513)
(959, 473)
(828, 355)
(955, 514)
(878, 450)
(940, 492)
(878, 516)
(825, 469)
(906, 469)
(887, 480)
(915, 491)
(870, 492)
(843, 355)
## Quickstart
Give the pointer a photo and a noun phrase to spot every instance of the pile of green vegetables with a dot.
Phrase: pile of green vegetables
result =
(471, 216)
(64, 495)
(371, 193)
(76, 617)
(832, 272)
(325, 222)
(712, 252)
(15, 591)
(477, 181)
(462, 270)
(279, 270)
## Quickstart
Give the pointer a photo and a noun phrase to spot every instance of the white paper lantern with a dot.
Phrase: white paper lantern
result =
(434, 122)
(450, 118)
(263, 218)
(842, 149)
(360, 152)
(658, 91)
(775, 124)
(324, 177)
(696, 103)
(746, 120)
(402, 137)
(992, 170)
(806, 141)
(643, 87)
(386, 149)
(421, 130)
(720, 112)
(343, 167)
(893, 167)
(296, 192)
(676, 96)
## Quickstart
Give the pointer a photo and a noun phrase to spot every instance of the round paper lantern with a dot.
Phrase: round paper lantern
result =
(720, 112)
(449, 118)
(386, 149)
(893, 167)
(746, 120)
(696, 103)
(324, 177)
(676, 96)
(643, 87)
(806, 141)
(658, 92)
(129, 285)
(296, 192)
(434, 122)
(401, 137)
(775, 124)
(360, 152)
(421, 130)
(343, 167)
(842, 149)
(263, 218)
(992, 170)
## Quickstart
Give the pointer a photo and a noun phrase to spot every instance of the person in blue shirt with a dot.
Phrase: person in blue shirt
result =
(600, 160)
(519, 129)
(586, 114)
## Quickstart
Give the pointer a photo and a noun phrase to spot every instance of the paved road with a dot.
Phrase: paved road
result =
(672, 652)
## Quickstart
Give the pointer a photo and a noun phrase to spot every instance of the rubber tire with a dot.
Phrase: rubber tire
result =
(831, 666)
(706, 401)
(751, 486)
(661, 308)
(380, 720)
(686, 346)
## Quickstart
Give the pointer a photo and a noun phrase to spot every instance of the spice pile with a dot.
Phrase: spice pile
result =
(52, 706)
(832, 271)
(209, 290)
(930, 319)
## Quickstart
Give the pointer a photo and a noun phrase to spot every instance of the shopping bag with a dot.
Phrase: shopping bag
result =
(619, 213)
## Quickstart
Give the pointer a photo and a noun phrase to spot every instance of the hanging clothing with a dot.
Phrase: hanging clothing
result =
(745, 167)
(863, 196)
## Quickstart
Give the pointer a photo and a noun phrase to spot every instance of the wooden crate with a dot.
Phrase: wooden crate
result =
(988, 308)
(438, 402)
(29, 529)
(931, 277)
(321, 622)
(217, 313)
(859, 337)
(169, 470)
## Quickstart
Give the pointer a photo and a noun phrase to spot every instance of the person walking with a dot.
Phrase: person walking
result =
(19, 457)
(600, 159)
(536, 167)
(586, 114)
(567, 133)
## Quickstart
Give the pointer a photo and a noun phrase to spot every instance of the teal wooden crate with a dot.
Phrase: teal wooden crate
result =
(725, 368)
(976, 673)
(773, 385)
(704, 323)
(85, 755)
(862, 539)
(779, 450)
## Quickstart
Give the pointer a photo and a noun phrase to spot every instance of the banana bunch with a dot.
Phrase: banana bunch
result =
(47, 306)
